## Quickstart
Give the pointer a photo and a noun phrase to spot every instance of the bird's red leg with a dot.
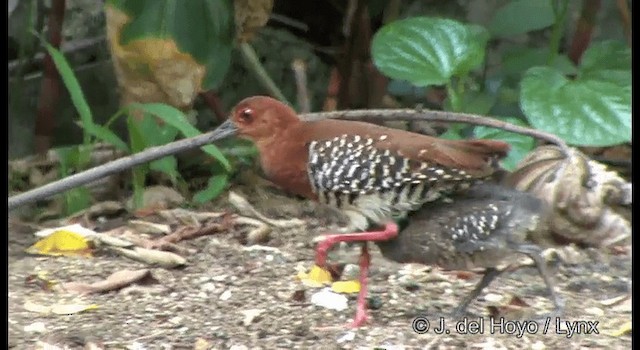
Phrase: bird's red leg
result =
(390, 231)
(361, 308)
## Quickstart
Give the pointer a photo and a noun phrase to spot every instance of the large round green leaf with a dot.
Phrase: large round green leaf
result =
(428, 51)
(521, 16)
(584, 112)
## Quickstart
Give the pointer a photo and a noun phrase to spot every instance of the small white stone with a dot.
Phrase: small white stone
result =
(493, 297)
(349, 336)
(330, 300)
(238, 347)
(225, 295)
(175, 320)
(208, 287)
(219, 278)
(538, 346)
(36, 327)
(596, 311)
(250, 316)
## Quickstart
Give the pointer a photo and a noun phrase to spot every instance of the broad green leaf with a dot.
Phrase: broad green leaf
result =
(428, 51)
(584, 112)
(521, 16)
(476, 102)
(517, 61)
(203, 29)
(520, 145)
(217, 184)
(176, 118)
(80, 103)
(607, 61)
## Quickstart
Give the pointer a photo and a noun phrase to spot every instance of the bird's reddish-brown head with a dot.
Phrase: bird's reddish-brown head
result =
(260, 117)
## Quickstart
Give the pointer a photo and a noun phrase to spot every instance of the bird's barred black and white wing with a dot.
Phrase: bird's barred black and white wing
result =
(349, 171)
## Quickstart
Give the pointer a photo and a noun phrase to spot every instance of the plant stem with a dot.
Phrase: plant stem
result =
(625, 15)
(584, 29)
(50, 86)
(560, 12)
(252, 63)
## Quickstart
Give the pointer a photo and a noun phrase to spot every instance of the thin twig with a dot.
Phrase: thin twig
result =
(252, 63)
(625, 15)
(438, 116)
(154, 153)
(300, 73)
(289, 22)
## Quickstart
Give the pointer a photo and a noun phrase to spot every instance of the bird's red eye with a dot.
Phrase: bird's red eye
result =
(246, 114)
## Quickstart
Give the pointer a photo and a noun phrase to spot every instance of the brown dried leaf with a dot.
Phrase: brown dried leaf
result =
(153, 257)
(251, 15)
(115, 281)
(584, 196)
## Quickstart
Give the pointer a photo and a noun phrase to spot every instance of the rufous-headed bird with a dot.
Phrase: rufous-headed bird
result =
(373, 174)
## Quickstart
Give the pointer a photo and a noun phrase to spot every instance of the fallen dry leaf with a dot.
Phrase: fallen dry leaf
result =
(146, 227)
(70, 309)
(346, 287)
(153, 257)
(624, 329)
(62, 243)
(316, 277)
(115, 281)
(33, 307)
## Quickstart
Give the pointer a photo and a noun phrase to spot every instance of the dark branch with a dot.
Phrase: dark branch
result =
(154, 153)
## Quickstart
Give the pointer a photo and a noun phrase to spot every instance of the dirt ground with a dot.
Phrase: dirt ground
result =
(204, 305)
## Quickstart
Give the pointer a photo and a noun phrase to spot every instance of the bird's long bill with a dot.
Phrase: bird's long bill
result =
(225, 130)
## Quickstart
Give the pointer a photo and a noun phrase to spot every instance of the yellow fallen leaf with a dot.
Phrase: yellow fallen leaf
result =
(346, 287)
(68, 309)
(316, 277)
(62, 242)
(622, 330)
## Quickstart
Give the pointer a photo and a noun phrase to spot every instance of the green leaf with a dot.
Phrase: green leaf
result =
(520, 145)
(177, 119)
(139, 173)
(476, 102)
(607, 61)
(217, 184)
(204, 29)
(80, 103)
(78, 198)
(584, 112)
(428, 51)
(517, 61)
(521, 16)
(154, 134)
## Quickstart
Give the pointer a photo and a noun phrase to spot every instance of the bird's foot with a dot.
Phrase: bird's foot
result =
(360, 319)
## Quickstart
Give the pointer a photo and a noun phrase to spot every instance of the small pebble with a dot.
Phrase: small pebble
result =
(208, 287)
(225, 295)
(349, 336)
(36, 327)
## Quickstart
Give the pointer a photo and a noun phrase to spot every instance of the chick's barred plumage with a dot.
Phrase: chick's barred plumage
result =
(481, 228)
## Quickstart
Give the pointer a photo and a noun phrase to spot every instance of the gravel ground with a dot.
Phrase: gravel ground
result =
(205, 304)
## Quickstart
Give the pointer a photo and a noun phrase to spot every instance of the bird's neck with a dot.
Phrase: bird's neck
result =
(283, 158)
